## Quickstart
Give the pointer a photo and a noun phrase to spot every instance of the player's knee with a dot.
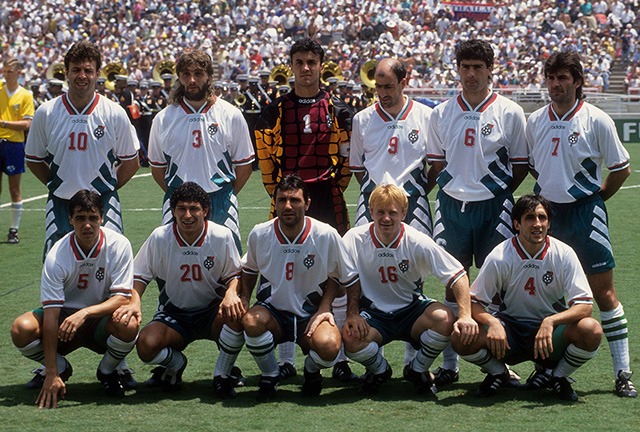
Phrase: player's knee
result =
(443, 320)
(24, 330)
(589, 334)
(327, 344)
(149, 345)
(254, 323)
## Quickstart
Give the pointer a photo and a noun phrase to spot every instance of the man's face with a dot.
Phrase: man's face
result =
(10, 74)
(195, 81)
(82, 77)
(55, 90)
(389, 90)
(101, 87)
(562, 88)
(290, 207)
(190, 218)
(86, 225)
(474, 75)
(533, 226)
(388, 220)
(307, 69)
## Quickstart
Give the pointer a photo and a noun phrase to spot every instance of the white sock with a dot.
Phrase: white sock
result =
(230, 343)
(262, 349)
(287, 353)
(614, 325)
(409, 353)
(487, 361)
(370, 357)
(431, 345)
(16, 213)
(313, 362)
(449, 356)
(169, 358)
(116, 350)
(572, 359)
(339, 308)
(33, 351)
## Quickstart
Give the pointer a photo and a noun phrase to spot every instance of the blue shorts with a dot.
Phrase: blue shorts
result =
(521, 336)
(472, 229)
(191, 325)
(90, 335)
(418, 213)
(291, 325)
(397, 325)
(11, 157)
(583, 225)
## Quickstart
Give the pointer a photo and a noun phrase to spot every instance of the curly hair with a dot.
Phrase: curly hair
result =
(306, 45)
(83, 51)
(190, 192)
(200, 60)
(475, 49)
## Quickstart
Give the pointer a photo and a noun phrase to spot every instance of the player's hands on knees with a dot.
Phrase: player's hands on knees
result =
(467, 329)
(318, 319)
(71, 324)
(52, 389)
(232, 307)
(543, 345)
(124, 314)
(357, 327)
(497, 340)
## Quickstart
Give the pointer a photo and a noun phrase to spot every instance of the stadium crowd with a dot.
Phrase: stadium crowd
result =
(246, 36)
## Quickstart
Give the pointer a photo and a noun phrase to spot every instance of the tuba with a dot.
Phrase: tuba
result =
(110, 71)
(56, 71)
(331, 69)
(367, 73)
(163, 67)
(280, 74)
(240, 100)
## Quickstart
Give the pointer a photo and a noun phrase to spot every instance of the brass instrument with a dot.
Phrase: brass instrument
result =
(57, 71)
(367, 74)
(240, 100)
(280, 74)
(163, 67)
(331, 69)
(110, 71)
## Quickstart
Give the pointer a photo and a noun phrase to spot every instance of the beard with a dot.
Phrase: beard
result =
(197, 95)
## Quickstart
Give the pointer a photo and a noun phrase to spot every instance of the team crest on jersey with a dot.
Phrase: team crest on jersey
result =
(329, 121)
(547, 278)
(573, 138)
(98, 132)
(486, 129)
(208, 263)
(212, 129)
(403, 266)
(100, 274)
(413, 135)
(309, 261)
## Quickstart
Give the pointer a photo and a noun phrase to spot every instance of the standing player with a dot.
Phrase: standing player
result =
(569, 141)
(532, 274)
(87, 275)
(197, 266)
(300, 260)
(477, 151)
(386, 301)
(76, 142)
(201, 138)
(16, 112)
(307, 132)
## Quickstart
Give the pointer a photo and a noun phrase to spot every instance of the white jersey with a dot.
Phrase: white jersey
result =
(568, 153)
(532, 288)
(391, 277)
(75, 280)
(391, 151)
(189, 277)
(478, 145)
(294, 273)
(200, 146)
(81, 148)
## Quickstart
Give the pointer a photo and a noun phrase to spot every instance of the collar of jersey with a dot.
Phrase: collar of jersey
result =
(569, 115)
(482, 106)
(183, 243)
(394, 243)
(191, 110)
(525, 255)
(79, 253)
(300, 238)
(72, 109)
(402, 115)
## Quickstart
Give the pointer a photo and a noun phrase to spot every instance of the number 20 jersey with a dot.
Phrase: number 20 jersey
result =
(81, 147)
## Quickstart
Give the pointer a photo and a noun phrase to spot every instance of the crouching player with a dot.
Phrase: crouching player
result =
(197, 267)
(87, 275)
(532, 273)
(386, 303)
(301, 261)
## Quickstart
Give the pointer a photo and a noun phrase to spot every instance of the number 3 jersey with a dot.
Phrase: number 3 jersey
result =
(81, 147)
(532, 288)
(75, 280)
(189, 276)
(294, 273)
(200, 145)
(391, 277)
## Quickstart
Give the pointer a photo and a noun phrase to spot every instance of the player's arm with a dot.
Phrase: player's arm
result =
(520, 172)
(134, 308)
(465, 325)
(17, 125)
(359, 175)
(613, 182)
(73, 322)
(126, 170)
(543, 346)
(324, 309)
(247, 284)
(158, 174)
(497, 341)
(356, 325)
(232, 305)
(435, 167)
(243, 172)
(53, 386)
(41, 170)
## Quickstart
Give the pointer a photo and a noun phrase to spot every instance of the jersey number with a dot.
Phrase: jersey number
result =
(83, 281)
(530, 287)
(556, 141)
(197, 137)
(470, 137)
(288, 271)
(393, 145)
(78, 142)
(390, 275)
(191, 272)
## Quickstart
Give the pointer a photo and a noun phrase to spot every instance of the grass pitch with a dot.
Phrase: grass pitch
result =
(338, 408)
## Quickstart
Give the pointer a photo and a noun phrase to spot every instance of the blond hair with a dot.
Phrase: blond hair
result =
(386, 195)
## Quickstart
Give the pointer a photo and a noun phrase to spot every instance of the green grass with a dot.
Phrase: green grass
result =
(338, 407)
